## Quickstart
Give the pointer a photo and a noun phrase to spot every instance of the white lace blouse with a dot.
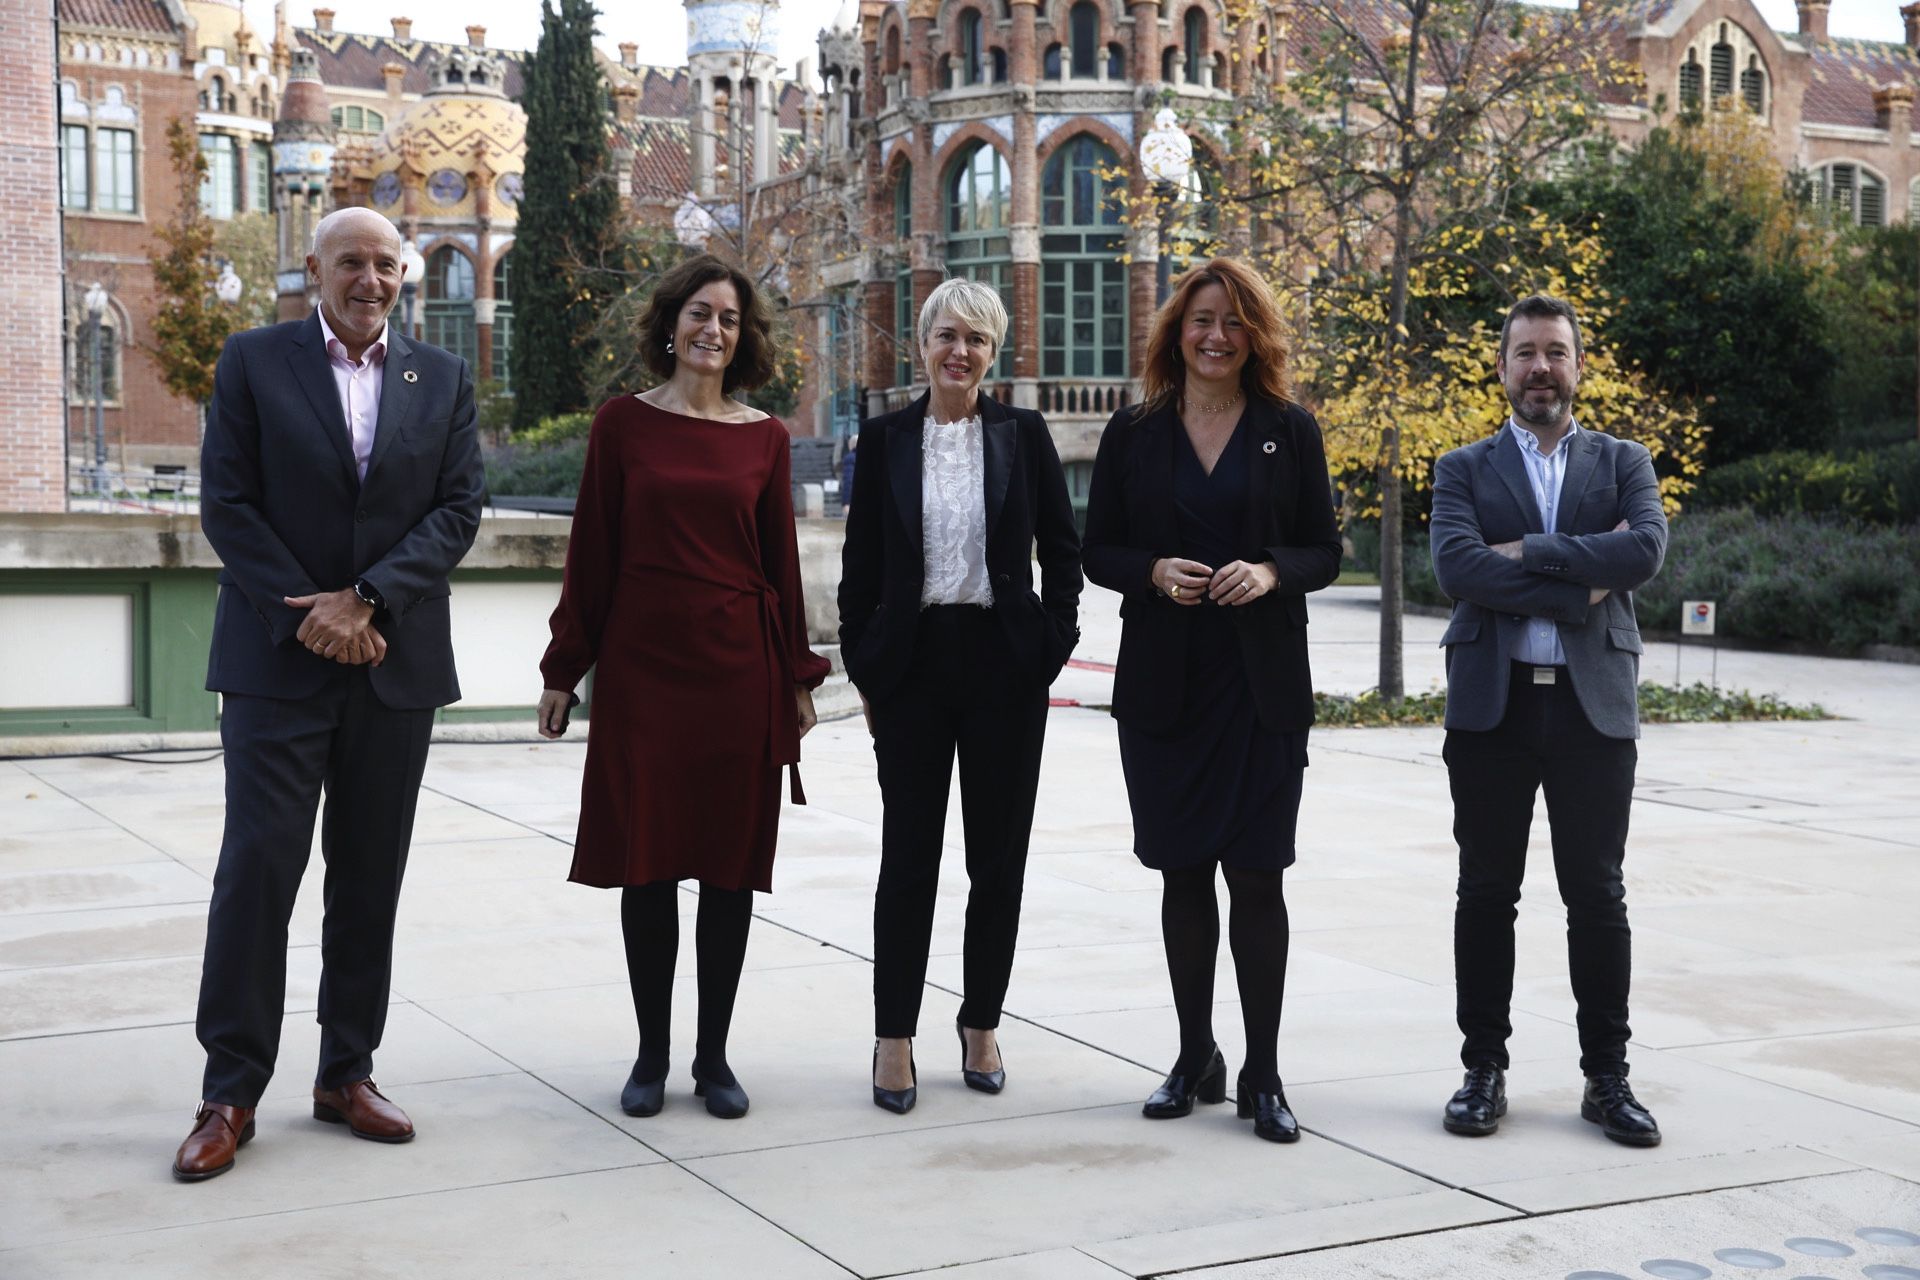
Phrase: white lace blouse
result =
(953, 513)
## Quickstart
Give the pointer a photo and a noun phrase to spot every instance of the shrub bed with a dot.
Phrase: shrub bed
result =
(1877, 486)
(1832, 585)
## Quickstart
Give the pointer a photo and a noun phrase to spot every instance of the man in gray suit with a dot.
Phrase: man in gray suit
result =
(1540, 535)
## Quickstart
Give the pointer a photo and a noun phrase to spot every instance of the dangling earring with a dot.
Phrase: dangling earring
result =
(669, 346)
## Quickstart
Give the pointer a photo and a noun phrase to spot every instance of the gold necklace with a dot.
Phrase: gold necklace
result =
(1201, 406)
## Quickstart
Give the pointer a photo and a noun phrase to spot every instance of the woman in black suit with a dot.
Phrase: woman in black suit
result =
(951, 650)
(1211, 513)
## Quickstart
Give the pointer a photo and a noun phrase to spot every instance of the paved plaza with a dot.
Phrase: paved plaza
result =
(1773, 878)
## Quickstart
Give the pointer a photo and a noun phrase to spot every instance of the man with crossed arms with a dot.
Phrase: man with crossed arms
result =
(1541, 533)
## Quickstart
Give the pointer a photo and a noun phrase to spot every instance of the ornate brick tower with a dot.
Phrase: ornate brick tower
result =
(303, 147)
(731, 47)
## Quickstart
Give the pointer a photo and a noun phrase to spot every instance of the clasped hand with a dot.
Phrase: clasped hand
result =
(1188, 582)
(339, 626)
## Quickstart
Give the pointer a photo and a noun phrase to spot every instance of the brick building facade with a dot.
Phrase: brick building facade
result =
(32, 461)
(980, 136)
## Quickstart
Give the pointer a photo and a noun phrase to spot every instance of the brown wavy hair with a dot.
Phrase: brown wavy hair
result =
(752, 364)
(1265, 373)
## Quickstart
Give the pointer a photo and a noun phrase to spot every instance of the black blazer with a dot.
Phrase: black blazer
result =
(883, 563)
(1131, 523)
(287, 515)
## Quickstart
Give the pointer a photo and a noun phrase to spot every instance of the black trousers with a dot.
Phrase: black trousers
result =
(1544, 743)
(280, 756)
(964, 693)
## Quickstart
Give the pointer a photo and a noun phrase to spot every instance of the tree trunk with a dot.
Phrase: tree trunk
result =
(1392, 572)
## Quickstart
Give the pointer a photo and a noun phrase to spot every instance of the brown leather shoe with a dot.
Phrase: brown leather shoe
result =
(366, 1113)
(218, 1131)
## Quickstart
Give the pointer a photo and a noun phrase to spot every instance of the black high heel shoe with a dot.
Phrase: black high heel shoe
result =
(643, 1097)
(726, 1101)
(1175, 1098)
(1271, 1117)
(898, 1101)
(985, 1081)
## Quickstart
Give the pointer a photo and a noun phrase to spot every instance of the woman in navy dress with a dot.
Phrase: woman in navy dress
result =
(1211, 512)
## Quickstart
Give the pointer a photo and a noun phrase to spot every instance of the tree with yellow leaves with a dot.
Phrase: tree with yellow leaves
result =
(1384, 186)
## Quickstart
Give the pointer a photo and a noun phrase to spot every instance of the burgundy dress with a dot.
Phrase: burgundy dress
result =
(683, 586)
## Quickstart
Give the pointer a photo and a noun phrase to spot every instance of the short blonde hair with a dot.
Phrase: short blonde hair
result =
(977, 305)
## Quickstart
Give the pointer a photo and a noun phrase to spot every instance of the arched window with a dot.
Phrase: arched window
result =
(978, 195)
(1116, 62)
(84, 391)
(1753, 86)
(1050, 63)
(503, 320)
(1083, 283)
(1720, 66)
(903, 203)
(1854, 193)
(903, 315)
(449, 308)
(1083, 28)
(1169, 59)
(220, 189)
(972, 50)
(1692, 81)
(1193, 43)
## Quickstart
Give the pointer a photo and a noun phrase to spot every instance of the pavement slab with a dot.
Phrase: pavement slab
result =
(1771, 878)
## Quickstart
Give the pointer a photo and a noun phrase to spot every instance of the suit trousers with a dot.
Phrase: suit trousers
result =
(1544, 743)
(281, 754)
(964, 694)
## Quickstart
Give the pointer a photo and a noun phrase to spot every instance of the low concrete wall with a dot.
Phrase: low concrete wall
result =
(107, 621)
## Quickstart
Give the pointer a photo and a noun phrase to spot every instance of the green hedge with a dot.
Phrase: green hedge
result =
(1792, 579)
(553, 472)
(1879, 486)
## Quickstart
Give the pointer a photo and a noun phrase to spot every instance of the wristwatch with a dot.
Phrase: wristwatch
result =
(367, 595)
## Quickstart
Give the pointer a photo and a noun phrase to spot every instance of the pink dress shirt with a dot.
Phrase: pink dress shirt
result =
(359, 387)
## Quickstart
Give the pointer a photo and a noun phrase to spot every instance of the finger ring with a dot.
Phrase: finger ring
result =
(1175, 593)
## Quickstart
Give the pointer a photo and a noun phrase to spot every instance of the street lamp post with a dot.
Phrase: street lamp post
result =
(96, 303)
(412, 267)
(1166, 157)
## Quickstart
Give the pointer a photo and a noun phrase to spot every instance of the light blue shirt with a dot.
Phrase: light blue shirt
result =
(1540, 642)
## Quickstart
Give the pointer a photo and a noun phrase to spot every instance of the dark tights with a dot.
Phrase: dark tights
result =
(1257, 932)
(650, 921)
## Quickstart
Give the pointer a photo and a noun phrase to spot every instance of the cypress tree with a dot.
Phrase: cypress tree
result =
(567, 243)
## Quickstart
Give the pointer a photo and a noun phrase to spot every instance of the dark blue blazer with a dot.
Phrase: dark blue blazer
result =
(287, 515)
(1132, 521)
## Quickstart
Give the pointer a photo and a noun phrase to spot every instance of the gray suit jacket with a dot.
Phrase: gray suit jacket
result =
(1481, 496)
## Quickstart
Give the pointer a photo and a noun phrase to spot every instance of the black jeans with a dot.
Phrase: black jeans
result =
(1543, 743)
(280, 755)
(964, 693)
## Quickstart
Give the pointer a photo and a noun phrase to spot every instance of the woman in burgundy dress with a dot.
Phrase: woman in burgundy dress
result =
(682, 593)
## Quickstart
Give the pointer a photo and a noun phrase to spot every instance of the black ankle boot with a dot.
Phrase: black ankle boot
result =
(1477, 1105)
(1174, 1098)
(1271, 1117)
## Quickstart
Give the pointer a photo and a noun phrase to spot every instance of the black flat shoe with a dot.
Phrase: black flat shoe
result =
(1271, 1117)
(985, 1081)
(726, 1101)
(643, 1097)
(1611, 1105)
(1477, 1105)
(898, 1101)
(1175, 1098)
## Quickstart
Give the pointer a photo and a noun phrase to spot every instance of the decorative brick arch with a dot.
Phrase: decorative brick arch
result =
(965, 136)
(891, 41)
(1074, 128)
